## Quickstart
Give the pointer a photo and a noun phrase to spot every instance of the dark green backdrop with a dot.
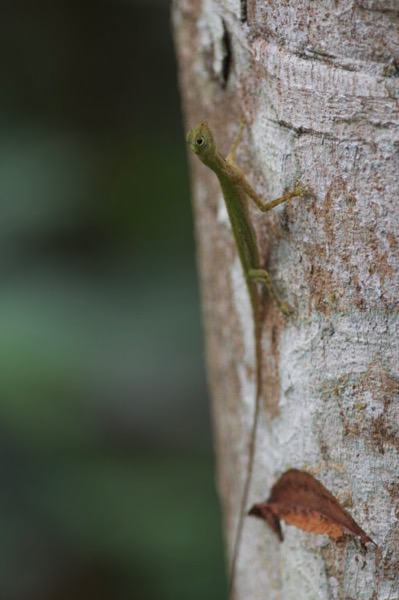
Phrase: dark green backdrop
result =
(107, 485)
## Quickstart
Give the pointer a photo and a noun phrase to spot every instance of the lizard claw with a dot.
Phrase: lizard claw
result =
(286, 309)
(300, 191)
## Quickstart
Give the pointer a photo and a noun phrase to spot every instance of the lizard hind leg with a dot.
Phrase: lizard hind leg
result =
(231, 157)
(262, 276)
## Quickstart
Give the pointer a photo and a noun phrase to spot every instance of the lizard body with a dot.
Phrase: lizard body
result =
(236, 190)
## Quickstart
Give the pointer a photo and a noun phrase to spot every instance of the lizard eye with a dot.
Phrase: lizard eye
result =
(200, 141)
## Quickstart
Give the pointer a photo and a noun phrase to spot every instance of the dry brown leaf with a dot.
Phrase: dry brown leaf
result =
(300, 500)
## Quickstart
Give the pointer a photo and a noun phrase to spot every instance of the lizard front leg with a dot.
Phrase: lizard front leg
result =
(265, 206)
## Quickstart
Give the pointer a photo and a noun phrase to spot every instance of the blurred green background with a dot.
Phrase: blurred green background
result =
(106, 455)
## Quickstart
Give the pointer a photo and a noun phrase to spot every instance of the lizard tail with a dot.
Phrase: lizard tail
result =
(251, 461)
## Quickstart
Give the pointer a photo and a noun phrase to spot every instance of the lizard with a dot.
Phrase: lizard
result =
(236, 189)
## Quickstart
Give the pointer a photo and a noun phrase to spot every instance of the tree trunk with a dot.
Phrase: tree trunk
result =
(317, 84)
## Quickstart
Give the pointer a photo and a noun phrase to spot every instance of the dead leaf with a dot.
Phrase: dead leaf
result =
(300, 500)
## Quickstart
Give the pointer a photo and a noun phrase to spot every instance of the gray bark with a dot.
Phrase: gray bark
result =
(318, 85)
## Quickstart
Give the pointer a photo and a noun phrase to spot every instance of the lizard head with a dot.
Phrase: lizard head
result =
(200, 139)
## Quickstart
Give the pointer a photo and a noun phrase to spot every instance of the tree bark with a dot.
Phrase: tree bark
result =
(318, 85)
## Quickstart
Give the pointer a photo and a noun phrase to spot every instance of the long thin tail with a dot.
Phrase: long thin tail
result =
(251, 459)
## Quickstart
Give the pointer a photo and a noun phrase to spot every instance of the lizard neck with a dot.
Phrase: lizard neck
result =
(216, 162)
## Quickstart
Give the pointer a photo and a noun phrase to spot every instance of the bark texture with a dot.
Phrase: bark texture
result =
(318, 85)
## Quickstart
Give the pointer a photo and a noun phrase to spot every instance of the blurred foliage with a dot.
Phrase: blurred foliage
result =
(105, 451)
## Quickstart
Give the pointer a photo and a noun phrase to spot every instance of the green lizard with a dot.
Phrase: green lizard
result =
(236, 189)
